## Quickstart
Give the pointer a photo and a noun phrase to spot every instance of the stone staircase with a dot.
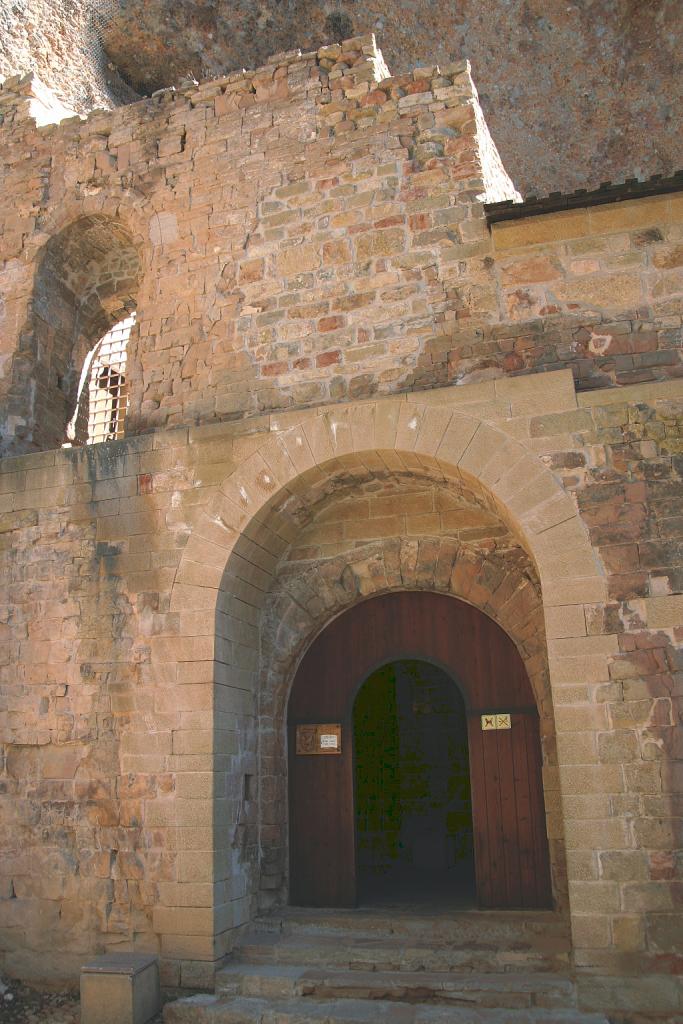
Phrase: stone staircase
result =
(366, 967)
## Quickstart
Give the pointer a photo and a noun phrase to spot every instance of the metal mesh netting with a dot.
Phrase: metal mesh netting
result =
(100, 13)
(61, 42)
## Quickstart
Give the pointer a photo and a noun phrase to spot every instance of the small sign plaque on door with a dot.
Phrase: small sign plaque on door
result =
(495, 722)
(318, 739)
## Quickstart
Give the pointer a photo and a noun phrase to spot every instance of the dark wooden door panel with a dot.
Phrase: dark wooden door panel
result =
(527, 838)
(322, 845)
(511, 849)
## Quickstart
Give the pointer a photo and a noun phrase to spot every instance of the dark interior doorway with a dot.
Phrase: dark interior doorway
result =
(413, 800)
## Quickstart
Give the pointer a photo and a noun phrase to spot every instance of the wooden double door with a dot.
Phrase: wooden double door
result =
(508, 814)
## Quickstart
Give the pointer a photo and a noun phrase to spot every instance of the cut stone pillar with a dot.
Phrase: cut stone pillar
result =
(120, 988)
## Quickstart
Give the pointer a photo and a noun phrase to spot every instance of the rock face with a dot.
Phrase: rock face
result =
(575, 93)
(61, 42)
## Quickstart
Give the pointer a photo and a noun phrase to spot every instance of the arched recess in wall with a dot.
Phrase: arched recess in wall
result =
(86, 283)
(355, 528)
(235, 553)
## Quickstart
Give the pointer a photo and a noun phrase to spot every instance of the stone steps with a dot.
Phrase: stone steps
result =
(491, 926)
(361, 953)
(400, 967)
(478, 941)
(207, 1009)
(513, 991)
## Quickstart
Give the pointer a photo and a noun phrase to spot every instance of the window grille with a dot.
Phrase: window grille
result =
(108, 391)
(104, 374)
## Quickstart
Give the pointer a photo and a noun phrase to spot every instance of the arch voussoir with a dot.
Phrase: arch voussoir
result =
(269, 564)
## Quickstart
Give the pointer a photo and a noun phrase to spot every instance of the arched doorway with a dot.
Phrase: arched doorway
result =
(510, 841)
(413, 795)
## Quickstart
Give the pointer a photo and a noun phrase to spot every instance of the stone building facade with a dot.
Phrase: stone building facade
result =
(343, 381)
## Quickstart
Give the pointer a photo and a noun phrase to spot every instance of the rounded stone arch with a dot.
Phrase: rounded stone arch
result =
(86, 280)
(236, 544)
(128, 206)
(420, 563)
(508, 475)
(234, 549)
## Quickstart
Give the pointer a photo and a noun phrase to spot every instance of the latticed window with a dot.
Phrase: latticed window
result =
(108, 395)
(106, 399)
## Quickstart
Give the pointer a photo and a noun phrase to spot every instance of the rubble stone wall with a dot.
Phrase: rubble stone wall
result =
(309, 232)
(286, 222)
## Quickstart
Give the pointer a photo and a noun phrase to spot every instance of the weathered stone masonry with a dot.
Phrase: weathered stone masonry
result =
(236, 217)
(262, 282)
(310, 262)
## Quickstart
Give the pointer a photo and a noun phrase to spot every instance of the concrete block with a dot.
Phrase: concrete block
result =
(120, 988)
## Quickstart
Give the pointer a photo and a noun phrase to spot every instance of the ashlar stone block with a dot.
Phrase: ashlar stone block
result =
(120, 988)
